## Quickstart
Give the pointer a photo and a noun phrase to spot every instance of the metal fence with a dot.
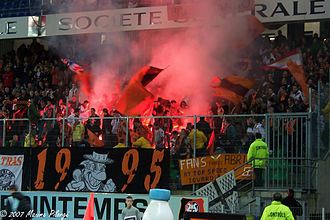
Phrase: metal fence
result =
(321, 120)
(288, 136)
(295, 140)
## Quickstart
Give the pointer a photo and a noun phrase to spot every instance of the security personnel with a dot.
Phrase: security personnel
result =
(277, 211)
(258, 149)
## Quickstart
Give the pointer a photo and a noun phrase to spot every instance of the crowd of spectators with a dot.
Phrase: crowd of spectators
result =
(35, 84)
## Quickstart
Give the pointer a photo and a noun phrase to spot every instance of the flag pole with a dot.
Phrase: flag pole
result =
(89, 213)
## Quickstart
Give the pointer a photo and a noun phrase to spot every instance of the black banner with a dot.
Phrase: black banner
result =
(124, 170)
(99, 170)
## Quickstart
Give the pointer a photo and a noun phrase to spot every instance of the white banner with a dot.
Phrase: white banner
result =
(16, 27)
(11, 169)
(59, 205)
(113, 21)
(291, 10)
(162, 17)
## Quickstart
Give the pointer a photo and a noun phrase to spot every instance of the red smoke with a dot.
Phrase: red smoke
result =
(191, 56)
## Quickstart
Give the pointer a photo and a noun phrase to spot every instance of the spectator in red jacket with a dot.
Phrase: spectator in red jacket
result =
(8, 77)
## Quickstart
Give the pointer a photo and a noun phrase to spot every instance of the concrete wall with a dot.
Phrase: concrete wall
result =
(323, 186)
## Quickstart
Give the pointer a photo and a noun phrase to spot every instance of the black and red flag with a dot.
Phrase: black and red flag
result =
(232, 88)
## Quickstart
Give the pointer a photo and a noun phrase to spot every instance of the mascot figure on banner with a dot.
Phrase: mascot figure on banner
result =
(7, 178)
(92, 176)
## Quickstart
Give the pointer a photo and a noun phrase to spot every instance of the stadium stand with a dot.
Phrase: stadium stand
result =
(37, 87)
(18, 8)
(33, 73)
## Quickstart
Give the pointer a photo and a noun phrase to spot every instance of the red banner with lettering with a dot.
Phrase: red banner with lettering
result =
(209, 168)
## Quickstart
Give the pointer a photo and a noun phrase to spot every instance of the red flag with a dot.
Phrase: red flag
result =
(136, 99)
(210, 146)
(89, 213)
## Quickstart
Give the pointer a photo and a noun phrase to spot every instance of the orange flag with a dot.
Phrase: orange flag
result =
(89, 213)
(136, 99)
(298, 73)
(93, 140)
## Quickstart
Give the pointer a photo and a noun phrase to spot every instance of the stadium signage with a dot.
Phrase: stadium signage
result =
(291, 10)
(209, 168)
(109, 21)
(106, 21)
(13, 27)
(59, 205)
(163, 17)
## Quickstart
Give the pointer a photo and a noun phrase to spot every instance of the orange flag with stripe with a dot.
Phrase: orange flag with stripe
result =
(298, 73)
(232, 88)
(93, 140)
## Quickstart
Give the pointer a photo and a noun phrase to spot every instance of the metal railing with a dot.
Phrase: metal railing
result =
(245, 186)
(287, 135)
(302, 178)
(321, 122)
